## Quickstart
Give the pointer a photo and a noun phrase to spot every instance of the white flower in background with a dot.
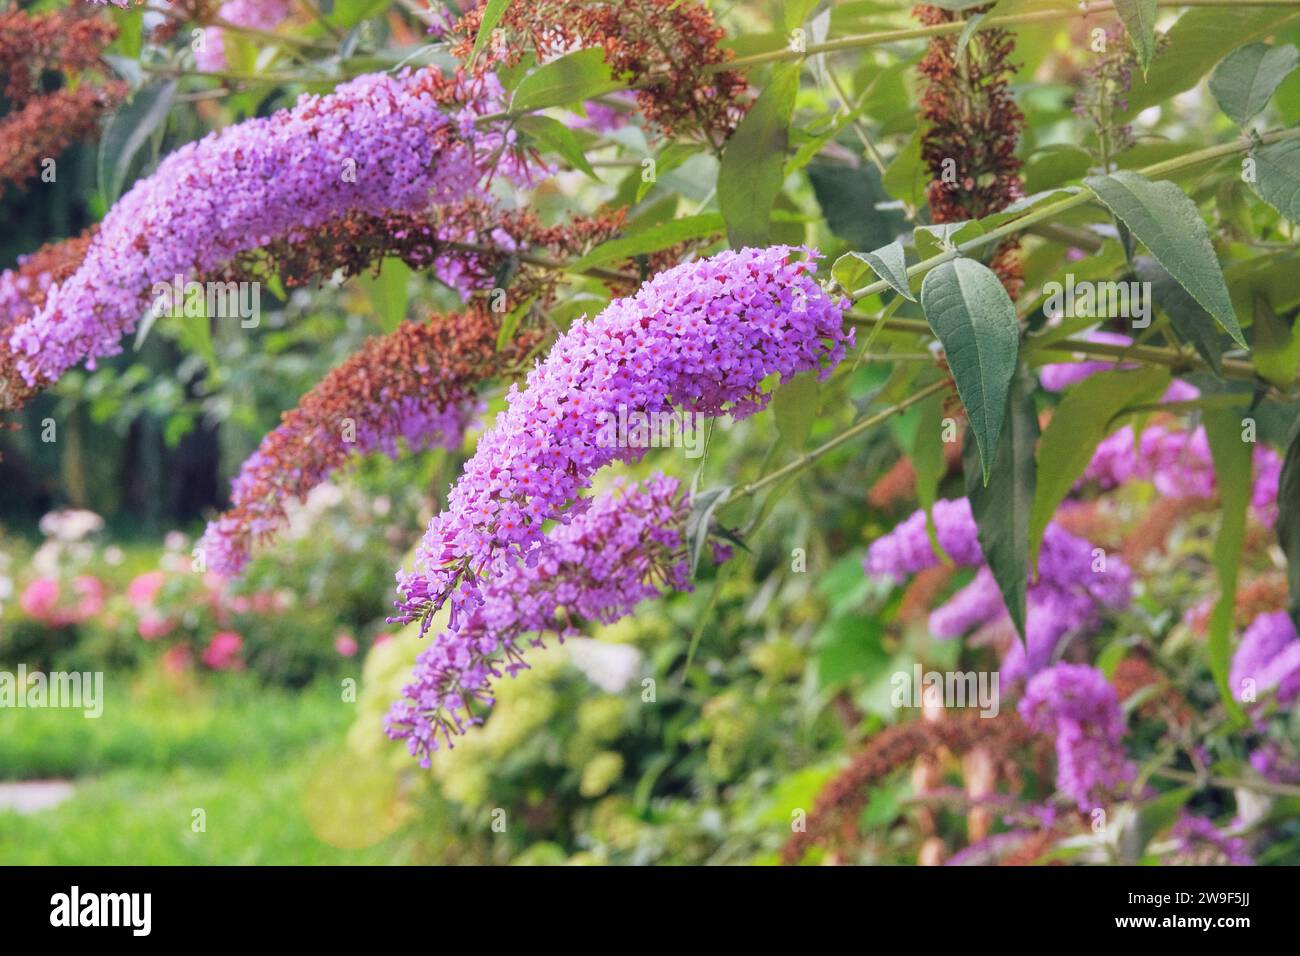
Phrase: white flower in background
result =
(176, 541)
(71, 524)
(611, 667)
(48, 558)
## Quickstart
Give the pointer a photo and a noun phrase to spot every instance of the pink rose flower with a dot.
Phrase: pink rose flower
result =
(222, 652)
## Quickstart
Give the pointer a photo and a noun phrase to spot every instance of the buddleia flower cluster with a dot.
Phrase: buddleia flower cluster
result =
(700, 337)
(1068, 596)
(378, 144)
(22, 293)
(626, 546)
(1078, 707)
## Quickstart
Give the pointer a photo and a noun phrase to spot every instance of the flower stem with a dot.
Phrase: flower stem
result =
(1085, 195)
(860, 41)
(857, 428)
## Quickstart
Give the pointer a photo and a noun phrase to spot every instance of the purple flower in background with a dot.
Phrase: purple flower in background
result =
(1075, 704)
(1058, 376)
(1180, 465)
(257, 14)
(1270, 762)
(1269, 657)
(1201, 843)
(377, 144)
(701, 336)
(1068, 597)
(626, 547)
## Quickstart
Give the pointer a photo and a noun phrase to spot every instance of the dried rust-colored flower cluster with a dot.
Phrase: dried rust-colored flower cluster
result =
(974, 127)
(43, 120)
(33, 45)
(665, 49)
(834, 820)
(468, 244)
(422, 369)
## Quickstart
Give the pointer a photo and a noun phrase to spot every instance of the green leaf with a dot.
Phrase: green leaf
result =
(1232, 468)
(1277, 177)
(652, 239)
(906, 177)
(848, 647)
(348, 13)
(1151, 820)
(1200, 39)
(795, 12)
(672, 156)
(1245, 79)
(698, 522)
(1192, 322)
(1053, 166)
(492, 14)
(967, 32)
(1003, 506)
(194, 332)
(129, 129)
(388, 292)
(1275, 346)
(570, 79)
(849, 197)
(795, 406)
(973, 317)
(889, 263)
(1288, 518)
(555, 137)
(511, 322)
(1139, 17)
(1166, 221)
(930, 463)
(753, 166)
(1078, 425)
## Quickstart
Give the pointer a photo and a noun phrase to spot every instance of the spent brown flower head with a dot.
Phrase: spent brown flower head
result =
(45, 126)
(416, 384)
(33, 45)
(973, 130)
(834, 818)
(664, 48)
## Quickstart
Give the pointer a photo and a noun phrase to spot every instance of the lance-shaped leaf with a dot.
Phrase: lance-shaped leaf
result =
(553, 135)
(1288, 517)
(1139, 18)
(1166, 221)
(1232, 464)
(974, 318)
(570, 79)
(1277, 177)
(929, 462)
(1002, 507)
(1192, 322)
(700, 521)
(492, 14)
(129, 129)
(1245, 79)
(753, 166)
(1077, 427)
(888, 262)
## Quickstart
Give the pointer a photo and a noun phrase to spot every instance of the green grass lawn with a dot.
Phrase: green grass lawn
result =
(252, 759)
